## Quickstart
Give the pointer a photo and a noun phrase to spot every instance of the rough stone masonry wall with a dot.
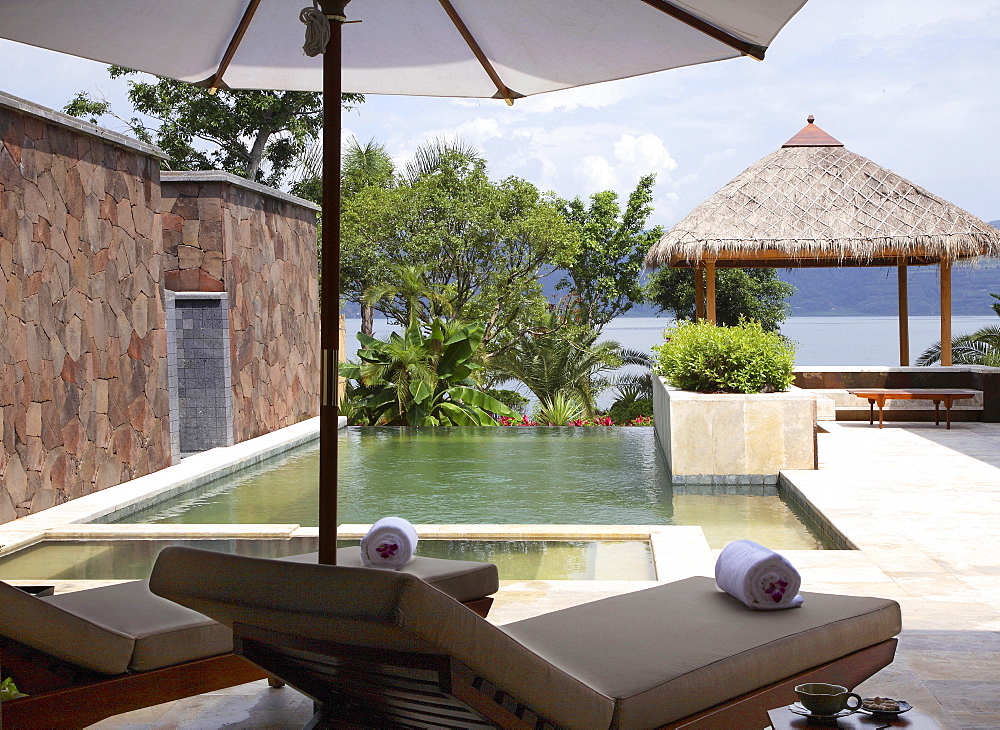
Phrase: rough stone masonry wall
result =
(83, 390)
(224, 233)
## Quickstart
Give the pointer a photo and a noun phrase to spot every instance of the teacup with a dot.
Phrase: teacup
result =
(826, 699)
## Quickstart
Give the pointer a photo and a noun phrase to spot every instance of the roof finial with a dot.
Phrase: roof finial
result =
(812, 136)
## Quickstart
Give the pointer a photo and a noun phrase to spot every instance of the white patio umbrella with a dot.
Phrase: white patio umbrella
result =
(469, 48)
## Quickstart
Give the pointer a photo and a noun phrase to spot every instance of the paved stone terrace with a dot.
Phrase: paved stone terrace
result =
(921, 504)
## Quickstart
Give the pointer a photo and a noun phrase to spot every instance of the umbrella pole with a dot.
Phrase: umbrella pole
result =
(330, 279)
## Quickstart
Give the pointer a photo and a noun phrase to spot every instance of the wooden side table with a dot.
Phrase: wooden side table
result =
(784, 719)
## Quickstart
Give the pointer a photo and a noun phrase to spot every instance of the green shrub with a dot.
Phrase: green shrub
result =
(624, 411)
(709, 359)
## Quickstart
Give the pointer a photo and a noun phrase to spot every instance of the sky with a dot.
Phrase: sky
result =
(913, 85)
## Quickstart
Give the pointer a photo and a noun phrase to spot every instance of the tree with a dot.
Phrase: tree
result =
(603, 278)
(482, 245)
(981, 347)
(254, 134)
(752, 294)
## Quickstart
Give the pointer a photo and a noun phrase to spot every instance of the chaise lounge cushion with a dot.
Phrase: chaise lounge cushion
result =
(676, 649)
(111, 629)
(463, 580)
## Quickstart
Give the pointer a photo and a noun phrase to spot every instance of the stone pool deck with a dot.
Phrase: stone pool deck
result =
(920, 504)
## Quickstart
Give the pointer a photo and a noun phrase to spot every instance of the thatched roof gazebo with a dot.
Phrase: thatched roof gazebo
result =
(815, 203)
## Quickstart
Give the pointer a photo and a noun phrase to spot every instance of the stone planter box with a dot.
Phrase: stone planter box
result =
(727, 438)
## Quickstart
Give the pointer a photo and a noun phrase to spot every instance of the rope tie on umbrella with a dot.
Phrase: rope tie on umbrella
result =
(317, 29)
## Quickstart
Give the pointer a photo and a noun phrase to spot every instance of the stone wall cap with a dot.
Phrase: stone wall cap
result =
(207, 176)
(197, 294)
(961, 368)
(117, 139)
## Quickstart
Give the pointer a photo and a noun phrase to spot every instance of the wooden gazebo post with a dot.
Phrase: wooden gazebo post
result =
(710, 291)
(945, 267)
(699, 294)
(904, 317)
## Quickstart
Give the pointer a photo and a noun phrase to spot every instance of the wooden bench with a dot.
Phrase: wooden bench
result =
(879, 396)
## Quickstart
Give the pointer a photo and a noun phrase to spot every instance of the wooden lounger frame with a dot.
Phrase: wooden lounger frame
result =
(360, 687)
(67, 696)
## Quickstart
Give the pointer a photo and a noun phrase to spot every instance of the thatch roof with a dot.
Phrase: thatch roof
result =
(815, 203)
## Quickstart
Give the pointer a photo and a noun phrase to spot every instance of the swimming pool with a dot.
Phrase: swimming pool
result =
(543, 475)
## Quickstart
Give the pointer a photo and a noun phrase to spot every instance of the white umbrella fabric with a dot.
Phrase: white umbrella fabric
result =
(464, 48)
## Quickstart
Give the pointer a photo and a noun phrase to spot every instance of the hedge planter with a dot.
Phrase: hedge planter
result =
(731, 438)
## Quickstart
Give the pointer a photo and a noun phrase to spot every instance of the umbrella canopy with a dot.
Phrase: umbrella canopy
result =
(815, 203)
(471, 48)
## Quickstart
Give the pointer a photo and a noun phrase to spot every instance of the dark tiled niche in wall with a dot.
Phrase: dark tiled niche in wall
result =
(198, 369)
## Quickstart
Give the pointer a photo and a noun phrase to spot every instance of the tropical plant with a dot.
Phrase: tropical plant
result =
(710, 359)
(566, 360)
(981, 347)
(560, 410)
(740, 294)
(426, 376)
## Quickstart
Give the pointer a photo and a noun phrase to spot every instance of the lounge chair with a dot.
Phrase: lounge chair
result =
(382, 649)
(90, 654)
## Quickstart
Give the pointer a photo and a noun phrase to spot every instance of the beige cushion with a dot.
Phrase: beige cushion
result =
(670, 651)
(111, 629)
(632, 661)
(463, 580)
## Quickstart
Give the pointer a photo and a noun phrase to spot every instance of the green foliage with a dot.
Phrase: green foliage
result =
(565, 359)
(426, 376)
(482, 245)
(255, 134)
(981, 347)
(603, 278)
(559, 410)
(749, 294)
(8, 691)
(510, 398)
(710, 359)
(623, 411)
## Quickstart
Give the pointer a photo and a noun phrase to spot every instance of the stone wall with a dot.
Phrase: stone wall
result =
(225, 233)
(83, 377)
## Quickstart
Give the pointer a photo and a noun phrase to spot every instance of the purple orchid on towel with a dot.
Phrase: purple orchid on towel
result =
(776, 590)
(387, 549)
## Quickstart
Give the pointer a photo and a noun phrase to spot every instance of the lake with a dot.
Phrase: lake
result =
(819, 340)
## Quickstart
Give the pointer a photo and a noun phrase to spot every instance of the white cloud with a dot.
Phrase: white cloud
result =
(596, 173)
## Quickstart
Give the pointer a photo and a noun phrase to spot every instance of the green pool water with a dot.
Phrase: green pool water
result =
(515, 559)
(608, 476)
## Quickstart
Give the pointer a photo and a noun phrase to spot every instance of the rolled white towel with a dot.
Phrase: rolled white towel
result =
(758, 576)
(389, 544)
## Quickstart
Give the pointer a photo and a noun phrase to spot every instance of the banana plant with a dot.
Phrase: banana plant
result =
(425, 376)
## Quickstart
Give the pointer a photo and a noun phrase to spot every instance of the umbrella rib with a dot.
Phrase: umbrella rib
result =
(215, 81)
(747, 49)
(503, 91)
